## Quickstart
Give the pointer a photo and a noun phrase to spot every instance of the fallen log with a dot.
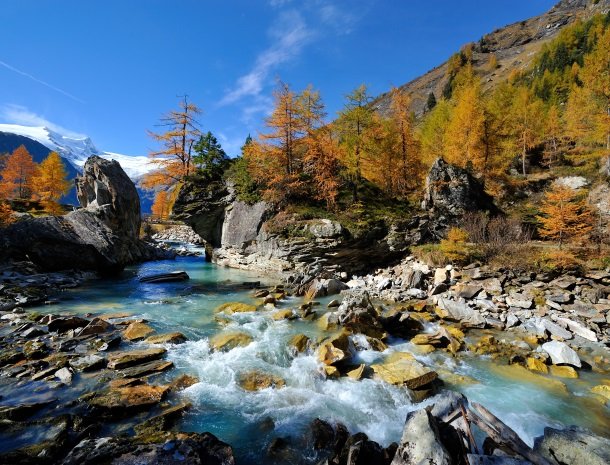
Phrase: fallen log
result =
(502, 434)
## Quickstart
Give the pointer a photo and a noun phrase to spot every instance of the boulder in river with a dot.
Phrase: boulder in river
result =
(102, 236)
(561, 353)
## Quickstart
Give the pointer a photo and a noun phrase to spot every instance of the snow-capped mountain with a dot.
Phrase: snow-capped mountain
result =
(76, 150)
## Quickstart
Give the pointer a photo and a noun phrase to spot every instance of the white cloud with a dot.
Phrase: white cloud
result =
(18, 114)
(40, 81)
(289, 34)
(279, 3)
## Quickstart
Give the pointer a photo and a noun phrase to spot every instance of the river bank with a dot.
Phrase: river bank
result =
(284, 341)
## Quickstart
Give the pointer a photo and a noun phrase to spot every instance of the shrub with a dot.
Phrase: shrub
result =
(456, 247)
(559, 261)
(430, 254)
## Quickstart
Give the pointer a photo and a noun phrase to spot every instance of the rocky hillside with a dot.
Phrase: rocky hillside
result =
(514, 46)
(264, 238)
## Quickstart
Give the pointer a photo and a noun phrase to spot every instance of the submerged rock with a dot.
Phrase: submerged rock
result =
(169, 338)
(127, 399)
(137, 331)
(120, 360)
(235, 307)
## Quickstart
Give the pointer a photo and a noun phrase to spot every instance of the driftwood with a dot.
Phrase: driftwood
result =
(496, 430)
(502, 434)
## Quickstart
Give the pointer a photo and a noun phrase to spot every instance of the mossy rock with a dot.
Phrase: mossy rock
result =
(235, 307)
(535, 364)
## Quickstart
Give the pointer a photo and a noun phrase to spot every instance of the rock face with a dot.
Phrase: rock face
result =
(247, 236)
(452, 191)
(102, 236)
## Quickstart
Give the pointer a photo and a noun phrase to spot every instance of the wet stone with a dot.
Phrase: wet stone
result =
(121, 360)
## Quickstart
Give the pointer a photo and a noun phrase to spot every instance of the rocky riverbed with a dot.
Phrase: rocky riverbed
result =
(286, 380)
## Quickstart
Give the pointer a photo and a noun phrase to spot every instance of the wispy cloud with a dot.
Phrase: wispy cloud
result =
(40, 81)
(18, 114)
(289, 35)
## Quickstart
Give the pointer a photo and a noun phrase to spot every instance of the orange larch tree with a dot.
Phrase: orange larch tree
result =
(466, 130)
(174, 160)
(321, 156)
(526, 123)
(565, 215)
(17, 174)
(404, 144)
(50, 182)
(275, 158)
(160, 207)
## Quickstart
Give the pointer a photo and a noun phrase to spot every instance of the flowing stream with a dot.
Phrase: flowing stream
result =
(250, 420)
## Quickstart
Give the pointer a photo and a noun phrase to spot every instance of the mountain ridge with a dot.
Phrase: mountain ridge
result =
(513, 45)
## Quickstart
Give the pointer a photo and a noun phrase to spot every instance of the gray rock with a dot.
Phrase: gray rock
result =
(474, 459)
(64, 375)
(579, 329)
(417, 293)
(519, 300)
(573, 446)
(420, 443)
(492, 286)
(564, 282)
(512, 321)
(494, 323)
(459, 311)
(452, 191)
(88, 363)
(469, 291)
(561, 354)
(325, 229)
(556, 330)
(573, 182)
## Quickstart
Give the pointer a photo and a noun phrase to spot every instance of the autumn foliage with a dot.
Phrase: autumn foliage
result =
(565, 216)
(17, 175)
(50, 182)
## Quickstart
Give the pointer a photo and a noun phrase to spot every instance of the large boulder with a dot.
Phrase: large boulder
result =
(102, 236)
(421, 442)
(452, 191)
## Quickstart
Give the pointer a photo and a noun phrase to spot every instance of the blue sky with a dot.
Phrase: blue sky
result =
(109, 69)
